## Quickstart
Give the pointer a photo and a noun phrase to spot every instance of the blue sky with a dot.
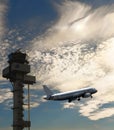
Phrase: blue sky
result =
(70, 45)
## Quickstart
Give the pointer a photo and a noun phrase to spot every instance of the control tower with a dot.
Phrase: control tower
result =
(17, 73)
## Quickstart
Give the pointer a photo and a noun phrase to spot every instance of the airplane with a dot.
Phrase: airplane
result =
(69, 95)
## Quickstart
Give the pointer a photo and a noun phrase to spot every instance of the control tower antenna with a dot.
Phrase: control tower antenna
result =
(17, 72)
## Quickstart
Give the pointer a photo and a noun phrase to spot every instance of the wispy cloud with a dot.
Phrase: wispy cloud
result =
(78, 52)
(5, 93)
(3, 10)
(79, 21)
(3, 45)
(69, 105)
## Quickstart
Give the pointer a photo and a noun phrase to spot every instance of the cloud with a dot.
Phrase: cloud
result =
(3, 9)
(68, 105)
(78, 21)
(95, 110)
(76, 52)
(5, 94)
(98, 73)
(3, 45)
(34, 100)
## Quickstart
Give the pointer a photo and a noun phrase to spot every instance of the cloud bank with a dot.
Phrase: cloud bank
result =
(3, 45)
(77, 52)
(4, 92)
(3, 10)
(78, 21)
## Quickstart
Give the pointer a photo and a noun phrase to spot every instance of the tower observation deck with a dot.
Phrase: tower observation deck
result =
(17, 73)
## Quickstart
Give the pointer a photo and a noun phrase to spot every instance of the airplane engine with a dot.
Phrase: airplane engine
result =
(86, 95)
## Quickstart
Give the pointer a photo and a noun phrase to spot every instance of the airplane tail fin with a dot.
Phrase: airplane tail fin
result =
(47, 91)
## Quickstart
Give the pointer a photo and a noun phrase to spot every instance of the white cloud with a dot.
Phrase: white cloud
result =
(32, 105)
(69, 105)
(77, 22)
(77, 52)
(93, 111)
(34, 99)
(3, 46)
(5, 94)
(3, 9)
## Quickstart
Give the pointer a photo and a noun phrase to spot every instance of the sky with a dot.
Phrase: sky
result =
(70, 45)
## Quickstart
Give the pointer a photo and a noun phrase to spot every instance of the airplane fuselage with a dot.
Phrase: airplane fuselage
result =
(72, 95)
